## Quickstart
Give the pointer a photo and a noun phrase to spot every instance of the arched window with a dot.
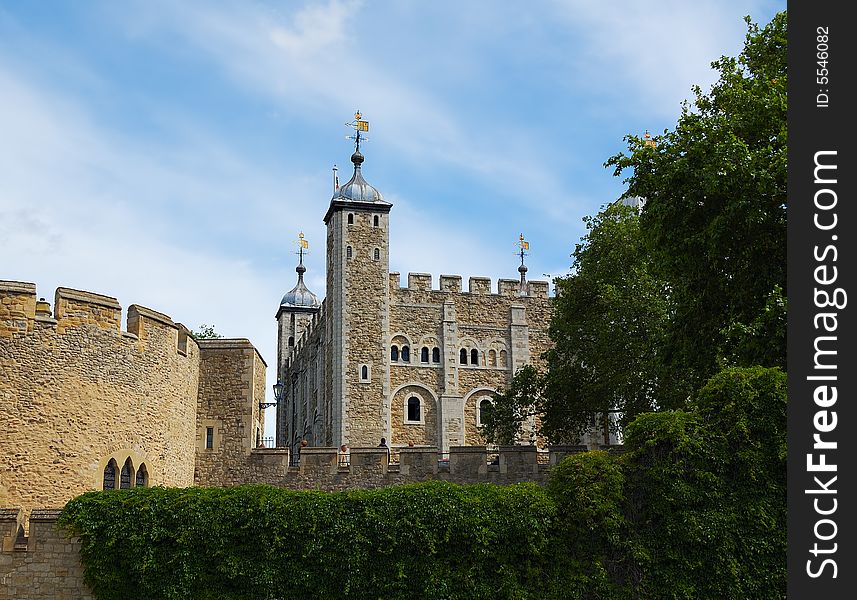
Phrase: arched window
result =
(406, 354)
(377, 254)
(375, 220)
(435, 355)
(350, 219)
(424, 354)
(394, 353)
(485, 408)
(142, 476)
(413, 408)
(462, 356)
(125, 475)
(474, 357)
(503, 358)
(291, 340)
(109, 482)
(364, 373)
(348, 252)
(492, 358)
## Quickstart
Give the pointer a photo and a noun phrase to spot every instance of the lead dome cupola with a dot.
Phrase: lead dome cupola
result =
(300, 296)
(358, 189)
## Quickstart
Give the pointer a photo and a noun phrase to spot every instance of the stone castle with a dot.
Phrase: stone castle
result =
(86, 405)
(413, 365)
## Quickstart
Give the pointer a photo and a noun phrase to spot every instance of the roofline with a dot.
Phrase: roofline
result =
(382, 207)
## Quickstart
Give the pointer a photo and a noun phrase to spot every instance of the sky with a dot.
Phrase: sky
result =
(169, 153)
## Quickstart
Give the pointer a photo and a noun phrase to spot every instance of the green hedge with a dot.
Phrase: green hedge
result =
(695, 508)
(431, 540)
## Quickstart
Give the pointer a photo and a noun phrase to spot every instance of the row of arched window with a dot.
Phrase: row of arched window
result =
(403, 354)
(374, 219)
(126, 475)
(492, 358)
(376, 254)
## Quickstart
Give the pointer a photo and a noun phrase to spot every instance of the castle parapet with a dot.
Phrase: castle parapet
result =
(539, 289)
(509, 287)
(368, 461)
(418, 462)
(468, 460)
(17, 307)
(450, 283)
(520, 461)
(479, 285)
(141, 319)
(77, 308)
(557, 453)
(420, 282)
(319, 460)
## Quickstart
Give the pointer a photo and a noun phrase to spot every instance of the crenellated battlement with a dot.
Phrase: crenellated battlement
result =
(21, 313)
(482, 286)
(369, 467)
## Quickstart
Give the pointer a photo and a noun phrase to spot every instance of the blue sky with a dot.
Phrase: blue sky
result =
(168, 153)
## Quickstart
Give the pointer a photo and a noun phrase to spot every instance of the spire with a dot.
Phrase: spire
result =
(300, 296)
(524, 246)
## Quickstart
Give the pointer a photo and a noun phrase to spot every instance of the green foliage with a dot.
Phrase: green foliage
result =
(715, 213)
(513, 407)
(695, 508)
(608, 328)
(430, 540)
(205, 332)
(705, 491)
(590, 552)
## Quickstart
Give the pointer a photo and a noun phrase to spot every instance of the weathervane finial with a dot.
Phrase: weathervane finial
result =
(523, 246)
(358, 125)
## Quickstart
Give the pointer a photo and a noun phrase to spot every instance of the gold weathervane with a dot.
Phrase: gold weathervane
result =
(359, 126)
(301, 241)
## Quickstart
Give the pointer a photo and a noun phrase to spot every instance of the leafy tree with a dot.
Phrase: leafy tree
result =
(205, 332)
(715, 213)
(504, 422)
(607, 330)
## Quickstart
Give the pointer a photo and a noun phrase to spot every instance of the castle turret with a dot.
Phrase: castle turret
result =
(357, 305)
(294, 315)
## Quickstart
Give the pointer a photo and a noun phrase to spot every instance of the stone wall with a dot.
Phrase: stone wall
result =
(231, 386)
(43, 565)
(76, 392)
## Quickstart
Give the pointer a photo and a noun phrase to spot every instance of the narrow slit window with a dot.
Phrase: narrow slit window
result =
(462, 356)
(364, 373)
(394, 353)
(435, 355)
(485, 407)
(424, 354)
(350, 219)
(474, 357)
(377, 254)
(348, 252)
(406, 354)
(375, 220)
(291, 340)
(413, 409)
(209, 438)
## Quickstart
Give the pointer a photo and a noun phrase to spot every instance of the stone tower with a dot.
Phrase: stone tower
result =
(357, 308)
(294, 314)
